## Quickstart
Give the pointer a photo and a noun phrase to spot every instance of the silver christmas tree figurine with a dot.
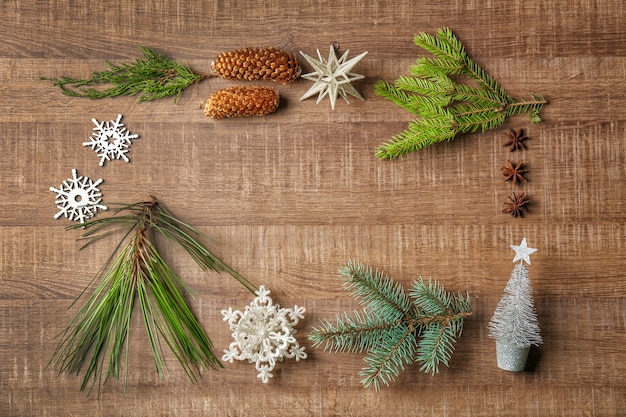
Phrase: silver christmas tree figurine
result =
(514, 324)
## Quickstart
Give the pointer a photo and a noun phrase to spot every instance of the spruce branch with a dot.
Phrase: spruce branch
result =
(355, 334)
(97, 339)
(395, 330)
(446, 106)
(376, 290)
(155, 76)
(390, 355)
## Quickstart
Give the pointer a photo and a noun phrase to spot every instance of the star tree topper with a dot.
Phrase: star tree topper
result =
(332, 77)
(523, 252)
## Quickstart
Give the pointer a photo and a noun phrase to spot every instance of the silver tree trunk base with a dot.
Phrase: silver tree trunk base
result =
(510, 356)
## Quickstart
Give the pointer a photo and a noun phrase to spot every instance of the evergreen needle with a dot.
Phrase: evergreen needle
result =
(446, 106)
(395, 329)
(96, 340)
(154, 76)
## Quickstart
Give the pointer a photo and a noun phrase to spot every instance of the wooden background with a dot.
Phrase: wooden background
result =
(293, 196)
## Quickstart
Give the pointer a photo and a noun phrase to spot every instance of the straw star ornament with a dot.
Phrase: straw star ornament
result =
(332, 77)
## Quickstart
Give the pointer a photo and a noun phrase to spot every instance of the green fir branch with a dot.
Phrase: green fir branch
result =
(97, 339)
(431, 298)
(389, 357)
(395, 330)
(435, 347)
(381, 294)
(354, 334)
(155, 76)
(436, 90)
(443, 313)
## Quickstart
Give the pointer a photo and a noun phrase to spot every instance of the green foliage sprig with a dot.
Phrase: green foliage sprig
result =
(447, 106)
(154, 76)
(395, 329)
(97, 338)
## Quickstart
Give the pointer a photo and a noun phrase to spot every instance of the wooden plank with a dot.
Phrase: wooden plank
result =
(293, 196)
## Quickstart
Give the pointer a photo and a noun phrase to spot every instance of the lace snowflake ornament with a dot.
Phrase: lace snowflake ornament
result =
(264, 334)
(78, 198)
(110, 140)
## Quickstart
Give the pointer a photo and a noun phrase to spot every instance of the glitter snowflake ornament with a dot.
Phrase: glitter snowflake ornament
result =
(332, 77)
(264, 334)
(110, 140)
(78, 198)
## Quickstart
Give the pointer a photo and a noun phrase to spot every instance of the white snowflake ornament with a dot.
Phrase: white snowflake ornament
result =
(78, 198)
(332, 77)
(110, 140)
(264, 334)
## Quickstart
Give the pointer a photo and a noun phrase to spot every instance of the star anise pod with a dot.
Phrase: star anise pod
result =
(514, 172)
(516, 205)
(516, 140)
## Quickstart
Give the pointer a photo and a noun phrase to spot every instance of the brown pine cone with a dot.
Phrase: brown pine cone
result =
(242, 101)
(258, 64)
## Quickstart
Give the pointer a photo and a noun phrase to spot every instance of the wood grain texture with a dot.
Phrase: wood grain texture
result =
(293, 196)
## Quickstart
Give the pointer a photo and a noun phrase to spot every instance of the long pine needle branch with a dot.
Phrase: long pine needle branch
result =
(445, 104)
(395, 330)
(97, 339)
